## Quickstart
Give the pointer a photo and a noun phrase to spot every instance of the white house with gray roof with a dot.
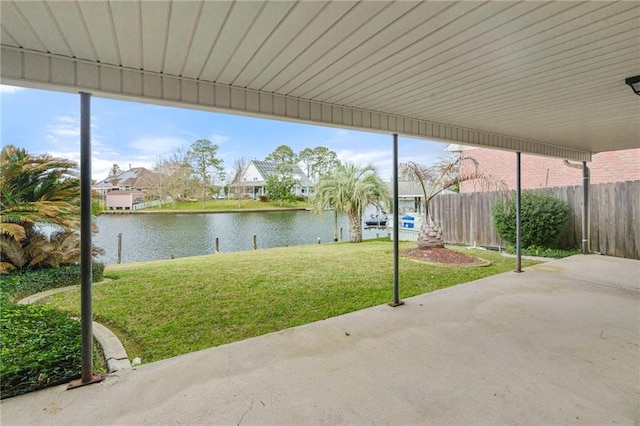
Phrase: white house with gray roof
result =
(254, 180)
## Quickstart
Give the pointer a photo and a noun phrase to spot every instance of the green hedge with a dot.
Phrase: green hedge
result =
(40, 347)
(544, 219)
(30, 281)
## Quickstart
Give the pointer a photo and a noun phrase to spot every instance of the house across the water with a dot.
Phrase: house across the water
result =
(125, 189)
(253, 181)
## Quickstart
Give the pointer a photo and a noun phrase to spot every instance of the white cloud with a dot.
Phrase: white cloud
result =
(218, 139)
(10, 89)
(156, 146)
(64, 127)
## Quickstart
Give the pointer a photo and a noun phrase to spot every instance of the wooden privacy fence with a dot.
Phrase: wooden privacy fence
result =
(614, 213)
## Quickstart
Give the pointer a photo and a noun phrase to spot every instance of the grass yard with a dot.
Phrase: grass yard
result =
(225, 205)
(167, 308)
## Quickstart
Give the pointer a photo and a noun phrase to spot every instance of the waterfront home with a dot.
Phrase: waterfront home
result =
(253, 181)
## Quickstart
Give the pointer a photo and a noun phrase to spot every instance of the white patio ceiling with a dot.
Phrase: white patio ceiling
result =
(541, 77)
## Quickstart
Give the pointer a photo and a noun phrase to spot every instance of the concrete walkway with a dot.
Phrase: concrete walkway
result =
(558, 343)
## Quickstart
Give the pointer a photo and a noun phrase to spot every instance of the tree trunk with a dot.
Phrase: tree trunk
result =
(430, 235)
(355, 227)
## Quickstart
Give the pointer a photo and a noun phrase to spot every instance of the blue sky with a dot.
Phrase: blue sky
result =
(137, 134)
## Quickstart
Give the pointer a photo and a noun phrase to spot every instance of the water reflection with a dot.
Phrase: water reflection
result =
(162, 236)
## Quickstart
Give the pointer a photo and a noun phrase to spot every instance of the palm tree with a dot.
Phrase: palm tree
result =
(36, 190)
(348, 189)
(435, 179)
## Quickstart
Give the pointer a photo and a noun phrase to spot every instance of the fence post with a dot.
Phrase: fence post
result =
(120, 247)
(217, 245)
(255, 242)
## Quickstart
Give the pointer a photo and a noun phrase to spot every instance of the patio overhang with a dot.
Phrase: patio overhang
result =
(537, 77)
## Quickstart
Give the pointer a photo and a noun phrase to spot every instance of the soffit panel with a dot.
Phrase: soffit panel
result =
(98, 19)
(154, 27)
(326, 18)
(365, 33)
(38, 16)
(212, 20)
(339, 32)
(68, 19)
(127, 19)
(20, 30)
(283, 34)
(396, 37)
(256, 36)
(557, 59)
(474, 60)
(182, 25)
(237, 25)
(449, 33)
(512, 60)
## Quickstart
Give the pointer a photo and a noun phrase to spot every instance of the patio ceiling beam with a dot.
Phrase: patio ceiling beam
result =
(26, 68)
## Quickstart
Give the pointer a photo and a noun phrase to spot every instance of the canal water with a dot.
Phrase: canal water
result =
(163, 236)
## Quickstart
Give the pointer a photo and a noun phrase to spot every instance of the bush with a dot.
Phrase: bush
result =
(544, 219)
(40, 347)
(263, 198)
(30, 281)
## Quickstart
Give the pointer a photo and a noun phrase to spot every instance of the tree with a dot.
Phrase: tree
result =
(239, 169)
(349, 189)
(280, 188)
(115, 170)
(283, 157)
(318, 161)
(172, 177)
(37, 190)
(305, 157)
(202, 157)
(324, 161)
(279, 185)
(435, 179)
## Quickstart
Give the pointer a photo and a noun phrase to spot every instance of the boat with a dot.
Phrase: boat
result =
(376, 221)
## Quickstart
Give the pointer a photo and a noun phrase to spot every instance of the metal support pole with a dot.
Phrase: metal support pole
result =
(86, 307)
(518, 217)
(585, 208)
(396, 251)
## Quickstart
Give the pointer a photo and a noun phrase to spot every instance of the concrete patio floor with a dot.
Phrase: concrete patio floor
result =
(558, 343)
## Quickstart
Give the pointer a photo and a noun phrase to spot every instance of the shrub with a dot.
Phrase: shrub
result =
(30, 281)
(544, 219)
(40, 347)
(263, 198)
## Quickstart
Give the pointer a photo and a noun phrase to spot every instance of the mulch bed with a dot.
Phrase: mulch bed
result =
(441, 255)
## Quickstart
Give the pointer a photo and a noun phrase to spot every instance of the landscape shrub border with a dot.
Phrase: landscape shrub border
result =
(24, 283)
(40, 346)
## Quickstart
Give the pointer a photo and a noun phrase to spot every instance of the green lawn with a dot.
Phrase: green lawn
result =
(229, 205)
(165, 308)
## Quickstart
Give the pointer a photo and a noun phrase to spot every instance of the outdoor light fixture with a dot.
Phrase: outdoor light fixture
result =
(634, 82)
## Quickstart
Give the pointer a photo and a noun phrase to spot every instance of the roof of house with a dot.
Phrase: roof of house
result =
(137, 177)
(412, 189)
(267, 168)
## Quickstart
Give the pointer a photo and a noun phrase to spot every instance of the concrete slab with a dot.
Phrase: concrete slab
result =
(556, 344)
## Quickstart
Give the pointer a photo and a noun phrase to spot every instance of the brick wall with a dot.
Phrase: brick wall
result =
(545, 172)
